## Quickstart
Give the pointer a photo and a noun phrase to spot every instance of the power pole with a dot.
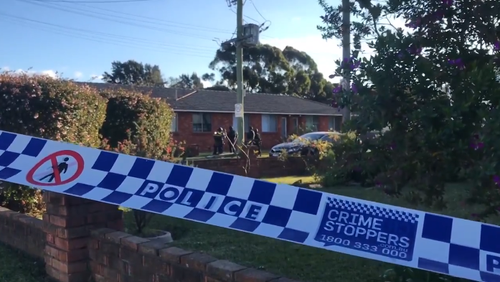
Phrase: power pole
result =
(346, 48)
(240, 119)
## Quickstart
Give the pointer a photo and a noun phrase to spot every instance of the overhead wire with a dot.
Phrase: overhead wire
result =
(102, 37)
(153, 19)
(257, 10)
(96, 1)
(107, 17)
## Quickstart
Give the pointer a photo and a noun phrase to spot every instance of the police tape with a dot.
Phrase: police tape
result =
(406, 237)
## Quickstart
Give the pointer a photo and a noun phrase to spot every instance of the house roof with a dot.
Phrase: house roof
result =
(186, 100)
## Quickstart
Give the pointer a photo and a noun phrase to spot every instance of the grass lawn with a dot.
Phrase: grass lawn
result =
(16, 267)
(207, 155)
(291, 179)
(288, 259)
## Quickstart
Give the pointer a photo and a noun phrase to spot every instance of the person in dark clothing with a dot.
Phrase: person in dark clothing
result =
(257, 141)
(233, 138)
(61, 168)
(250, 135)
(218, 141)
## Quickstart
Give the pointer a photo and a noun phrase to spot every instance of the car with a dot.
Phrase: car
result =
(302, 144)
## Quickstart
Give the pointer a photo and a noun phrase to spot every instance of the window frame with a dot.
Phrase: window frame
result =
(206, 127)
(272, 125)
(331, 123)
(314, 124)
(174, 127)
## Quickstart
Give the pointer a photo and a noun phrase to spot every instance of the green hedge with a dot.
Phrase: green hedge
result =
(51, 108)
(129, 112)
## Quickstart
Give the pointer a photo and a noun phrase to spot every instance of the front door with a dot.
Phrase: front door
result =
(284, 131)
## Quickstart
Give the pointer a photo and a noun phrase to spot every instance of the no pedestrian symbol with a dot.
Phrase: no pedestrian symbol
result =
(58, 168)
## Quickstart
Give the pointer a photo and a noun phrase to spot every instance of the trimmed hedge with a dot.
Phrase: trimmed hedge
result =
(129, 112)
(51, 108)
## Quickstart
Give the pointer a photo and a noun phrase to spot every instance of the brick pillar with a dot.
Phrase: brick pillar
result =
(68, 222)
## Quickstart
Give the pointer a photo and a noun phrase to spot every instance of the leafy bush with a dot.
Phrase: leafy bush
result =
(127, 112)
(436, 92)
(145, 144)
(49, 108)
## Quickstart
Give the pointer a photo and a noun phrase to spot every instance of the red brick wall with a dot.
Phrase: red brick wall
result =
(259, 168)
(118, 256)
(269, 139)
(22, 232)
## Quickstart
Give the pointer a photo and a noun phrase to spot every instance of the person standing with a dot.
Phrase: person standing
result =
(232, 135)
(250, 135)
(218, 141)
(257, 141)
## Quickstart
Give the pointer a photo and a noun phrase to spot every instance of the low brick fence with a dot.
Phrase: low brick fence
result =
(22, 232)
(118, 256)
(75, 251)
(259, 168)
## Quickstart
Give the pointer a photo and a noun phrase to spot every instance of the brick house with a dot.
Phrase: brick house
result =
(198, 113)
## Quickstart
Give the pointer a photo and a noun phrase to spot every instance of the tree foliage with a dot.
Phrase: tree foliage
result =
(267, 69)
(187, 81)
(134, 73)
(435, 86)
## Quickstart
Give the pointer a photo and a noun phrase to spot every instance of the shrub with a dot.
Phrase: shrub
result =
(50, 108)
(129, 111)
(145, 144)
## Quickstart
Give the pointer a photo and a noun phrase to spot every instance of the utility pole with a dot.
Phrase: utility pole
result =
(240, 119)
(346, 48)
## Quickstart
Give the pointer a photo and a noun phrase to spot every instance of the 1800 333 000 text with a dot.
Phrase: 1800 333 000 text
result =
(368, 228)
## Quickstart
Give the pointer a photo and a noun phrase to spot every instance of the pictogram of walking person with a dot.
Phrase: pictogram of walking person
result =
(61, 168)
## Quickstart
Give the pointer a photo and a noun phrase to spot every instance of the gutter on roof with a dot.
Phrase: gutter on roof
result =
(259, 113)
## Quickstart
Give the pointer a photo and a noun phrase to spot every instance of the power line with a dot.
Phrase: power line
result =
(252, 19)
(114, 19)
(109, 35)
(155, 20)
(257, 10)
(105, 38)
(95, 2)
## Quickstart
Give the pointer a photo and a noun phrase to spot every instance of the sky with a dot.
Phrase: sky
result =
(80, 40)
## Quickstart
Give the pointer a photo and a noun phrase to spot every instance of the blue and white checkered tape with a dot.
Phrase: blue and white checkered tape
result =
(412, 238)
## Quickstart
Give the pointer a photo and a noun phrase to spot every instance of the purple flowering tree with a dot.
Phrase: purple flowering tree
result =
(435, 85)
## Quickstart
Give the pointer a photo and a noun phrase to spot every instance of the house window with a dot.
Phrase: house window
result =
(312, 123)
(331, 123)
(338, 123)
(246, 121)
(295, 121)
(202, 122)
(174, 127)
(269, 123)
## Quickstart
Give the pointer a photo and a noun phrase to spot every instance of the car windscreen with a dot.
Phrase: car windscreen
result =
(331, 137)
(310, 137)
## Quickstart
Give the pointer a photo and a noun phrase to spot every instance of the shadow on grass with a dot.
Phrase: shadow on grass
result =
(18, 267)
(292, 260)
